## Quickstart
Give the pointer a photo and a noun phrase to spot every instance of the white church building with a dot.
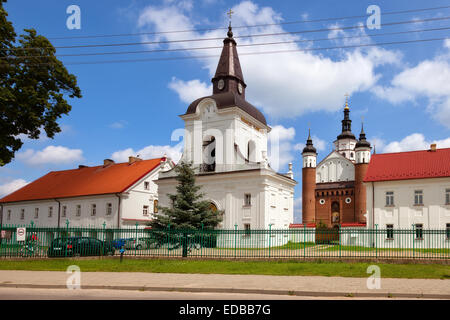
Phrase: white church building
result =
(226, 140)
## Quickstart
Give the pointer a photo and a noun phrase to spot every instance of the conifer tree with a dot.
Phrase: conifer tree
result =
(189, 210)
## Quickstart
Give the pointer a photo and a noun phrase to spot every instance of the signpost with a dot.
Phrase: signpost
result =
(20, 234)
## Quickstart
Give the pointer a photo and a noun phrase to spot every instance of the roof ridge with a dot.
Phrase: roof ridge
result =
(410, 151)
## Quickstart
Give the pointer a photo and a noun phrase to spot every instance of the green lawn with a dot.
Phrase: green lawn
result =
(321, 268)
(367, 249)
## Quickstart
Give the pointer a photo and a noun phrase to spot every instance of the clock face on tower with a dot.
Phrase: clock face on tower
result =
(240, 88)
(221, 84)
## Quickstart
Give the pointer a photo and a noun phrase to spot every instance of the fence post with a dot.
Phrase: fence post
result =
(304, 240)
(67, 234)
(168, 240)
(235, 235)
(413, 240)
(104, 237)
(201, 243)
(376, 241)
(270, 236)
(339, 234)
(136, 243)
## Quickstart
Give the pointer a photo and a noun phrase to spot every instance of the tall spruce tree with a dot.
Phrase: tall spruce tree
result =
(189, 210)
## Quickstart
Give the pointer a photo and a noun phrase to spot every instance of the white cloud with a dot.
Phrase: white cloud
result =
(118, 124)
(11, 186)
(149, 152)
(429, 79)
(415, 141)
(50, 155)
(275, 83)
(189, 91)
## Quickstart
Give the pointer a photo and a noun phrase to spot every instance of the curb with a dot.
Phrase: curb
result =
(239, 290)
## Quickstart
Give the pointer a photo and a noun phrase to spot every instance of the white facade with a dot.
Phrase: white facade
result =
(346, 147)
(335, 168)
(113, 210)
(240, 181)
(410, 204)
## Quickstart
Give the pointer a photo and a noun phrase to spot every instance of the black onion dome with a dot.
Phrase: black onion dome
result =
(309, 146)
(362, 142)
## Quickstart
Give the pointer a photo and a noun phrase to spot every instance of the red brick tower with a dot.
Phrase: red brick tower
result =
(362, 150)
(309, 155)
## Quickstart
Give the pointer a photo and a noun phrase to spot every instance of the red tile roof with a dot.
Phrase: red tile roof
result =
(409, 165)
(301, 225)
(114, 178)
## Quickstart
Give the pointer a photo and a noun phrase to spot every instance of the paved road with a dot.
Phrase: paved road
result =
(96, 294)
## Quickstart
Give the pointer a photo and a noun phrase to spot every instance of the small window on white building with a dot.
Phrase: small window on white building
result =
(389, 198)
(50, 212)
(22, 214)
(64, 211)
(247, 199)
(8, 217)
(108, 208)
(93, 209)
(247, 230)
(447, 196)
(36, 213)
(147, 185)
(419, 231)
(418, 197)
(389, 231)
(145, 210)
(78, 210)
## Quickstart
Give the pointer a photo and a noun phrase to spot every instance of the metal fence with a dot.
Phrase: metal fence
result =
(269, 243)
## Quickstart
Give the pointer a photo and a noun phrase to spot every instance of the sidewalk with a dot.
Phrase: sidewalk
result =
(260, 284)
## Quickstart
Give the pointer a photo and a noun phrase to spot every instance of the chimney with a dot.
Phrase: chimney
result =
(132, 159)
(433, 147)
(81, 166)
(107, 162)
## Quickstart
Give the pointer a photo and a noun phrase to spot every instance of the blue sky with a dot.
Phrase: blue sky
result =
(402, 90)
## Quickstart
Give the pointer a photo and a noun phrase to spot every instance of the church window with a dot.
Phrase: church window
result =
(323, 193)
(145, 210)
(351, 154)
(389, 231)
(346, 192)
(389, 198)
(247, 229)
(447, 196)
(247, 199)
(93, 209)
(108, 209)
(418, 197)
(322, 201)
(419, 231)
(348, 200)
(147, 185)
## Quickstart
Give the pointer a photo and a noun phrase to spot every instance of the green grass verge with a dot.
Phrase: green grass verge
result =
(288, 268)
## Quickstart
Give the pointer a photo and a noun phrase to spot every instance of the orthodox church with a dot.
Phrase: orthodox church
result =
(333, 191)
(226, 140)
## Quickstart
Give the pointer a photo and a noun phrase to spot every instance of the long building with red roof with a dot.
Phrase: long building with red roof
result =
(117, 194)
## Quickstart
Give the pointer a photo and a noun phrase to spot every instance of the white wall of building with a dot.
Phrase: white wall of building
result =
(404, 214)
(131, 208)
(335, 168)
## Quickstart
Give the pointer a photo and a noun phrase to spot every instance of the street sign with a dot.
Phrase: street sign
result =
(20, 234)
